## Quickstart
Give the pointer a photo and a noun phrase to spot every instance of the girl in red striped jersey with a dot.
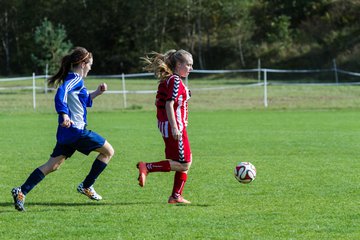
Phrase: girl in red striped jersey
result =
(172, 115)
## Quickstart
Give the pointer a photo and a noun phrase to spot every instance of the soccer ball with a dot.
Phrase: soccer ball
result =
(245, 172)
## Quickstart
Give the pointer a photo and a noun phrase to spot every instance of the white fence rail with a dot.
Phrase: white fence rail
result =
(260, 72)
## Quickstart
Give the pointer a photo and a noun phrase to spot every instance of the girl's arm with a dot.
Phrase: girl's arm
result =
(100, 90)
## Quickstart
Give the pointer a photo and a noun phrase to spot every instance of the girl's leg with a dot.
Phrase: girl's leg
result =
(105, 154)
(39, 173)
(173, 148)
(145, 168)
(165, 166)
(34, 179)
(180, 179)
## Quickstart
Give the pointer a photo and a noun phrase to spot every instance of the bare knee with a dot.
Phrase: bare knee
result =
(185, 167)
(106, 152)
(111, 152)
(55, 167)
(179, 167)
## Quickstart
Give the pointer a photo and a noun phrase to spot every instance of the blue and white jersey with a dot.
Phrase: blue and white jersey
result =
(72, 98)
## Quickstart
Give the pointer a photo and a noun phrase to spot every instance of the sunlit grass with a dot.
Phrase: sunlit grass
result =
(207, 95)
(306, 186)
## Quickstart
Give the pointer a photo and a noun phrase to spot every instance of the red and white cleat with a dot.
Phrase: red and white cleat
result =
(180, 199)
(143, 172)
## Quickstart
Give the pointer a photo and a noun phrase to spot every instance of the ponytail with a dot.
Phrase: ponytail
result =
(163, 65)
(73, 59)
(59, 77)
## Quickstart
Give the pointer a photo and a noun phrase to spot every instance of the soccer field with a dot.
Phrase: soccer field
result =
(307, 184)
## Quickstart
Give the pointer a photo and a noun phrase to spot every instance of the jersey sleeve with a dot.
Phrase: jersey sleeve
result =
(173, 88)
(61, 100)
(88, 101)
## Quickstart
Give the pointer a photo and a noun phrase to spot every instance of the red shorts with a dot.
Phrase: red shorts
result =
(178, 150)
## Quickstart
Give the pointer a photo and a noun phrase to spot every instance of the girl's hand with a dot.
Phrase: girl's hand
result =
(175, 133)
(102, 88)
(66, 121)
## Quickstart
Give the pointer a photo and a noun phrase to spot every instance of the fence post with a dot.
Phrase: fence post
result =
(124, 89)
(34, 90)
(335, 71)
(265, 88)
(46, 77)
(259, 70)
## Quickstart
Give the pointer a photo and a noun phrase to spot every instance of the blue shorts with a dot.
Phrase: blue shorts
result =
(88, 142)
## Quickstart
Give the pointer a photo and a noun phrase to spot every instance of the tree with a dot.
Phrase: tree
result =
(5, 40)
(224, 29)
(8, 18)
(219, 34)
(52, 45)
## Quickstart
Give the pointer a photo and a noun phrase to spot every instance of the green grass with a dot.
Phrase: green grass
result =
(304, 145)
(205, 96)
(306, 187)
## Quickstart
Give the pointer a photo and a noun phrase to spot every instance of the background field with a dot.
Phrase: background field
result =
(305, 147)
(207, 94)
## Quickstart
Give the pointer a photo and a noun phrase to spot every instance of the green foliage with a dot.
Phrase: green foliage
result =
(220, 34)
(307, 33)
(51, 45)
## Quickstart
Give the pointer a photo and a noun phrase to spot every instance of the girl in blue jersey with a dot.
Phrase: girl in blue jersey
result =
(71, 101)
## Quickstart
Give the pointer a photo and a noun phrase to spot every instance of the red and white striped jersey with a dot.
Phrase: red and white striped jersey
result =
(172, 89)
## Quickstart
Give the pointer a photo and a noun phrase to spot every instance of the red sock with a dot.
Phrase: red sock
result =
(179, 183)
(162, 166)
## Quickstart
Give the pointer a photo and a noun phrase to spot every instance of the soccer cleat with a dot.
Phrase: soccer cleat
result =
(143, 172)
(89, 192)
(180, 199)
(19, 198)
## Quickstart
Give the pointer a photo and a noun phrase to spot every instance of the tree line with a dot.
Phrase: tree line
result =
(221, 34)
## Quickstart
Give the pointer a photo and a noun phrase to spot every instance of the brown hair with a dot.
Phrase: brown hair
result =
(73, 59)
(163, 65)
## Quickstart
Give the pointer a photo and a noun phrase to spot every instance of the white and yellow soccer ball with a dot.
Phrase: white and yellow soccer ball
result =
(245, 172)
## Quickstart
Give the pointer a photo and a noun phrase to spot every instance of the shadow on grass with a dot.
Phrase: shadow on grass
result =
(192, 205)
(92, 203)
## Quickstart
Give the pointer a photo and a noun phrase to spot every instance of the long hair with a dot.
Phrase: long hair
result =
(73, 59)
(163, 65)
